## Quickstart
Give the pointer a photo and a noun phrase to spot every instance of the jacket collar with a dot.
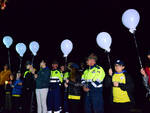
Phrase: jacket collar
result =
(44, 68)
(91, 67)
(120, 72)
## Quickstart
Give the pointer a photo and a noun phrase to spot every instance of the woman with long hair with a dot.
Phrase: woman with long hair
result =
(73, 85)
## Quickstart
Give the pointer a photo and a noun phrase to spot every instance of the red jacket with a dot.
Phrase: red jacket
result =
(147, 69)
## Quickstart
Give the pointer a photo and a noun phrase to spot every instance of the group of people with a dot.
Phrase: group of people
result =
(69, 89)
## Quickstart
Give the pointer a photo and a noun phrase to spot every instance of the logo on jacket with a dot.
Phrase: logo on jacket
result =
(121, 77)
(93, 71)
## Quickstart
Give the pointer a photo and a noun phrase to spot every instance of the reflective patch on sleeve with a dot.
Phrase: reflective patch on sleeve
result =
(98, 81)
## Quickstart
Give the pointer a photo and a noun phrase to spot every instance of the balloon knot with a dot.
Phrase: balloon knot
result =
(65, 55)
(132, 30)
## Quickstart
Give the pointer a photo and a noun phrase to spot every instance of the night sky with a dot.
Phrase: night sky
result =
(51, 21)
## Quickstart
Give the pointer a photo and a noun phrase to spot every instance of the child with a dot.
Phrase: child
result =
(8, 90)
(122, 88)
(16, 93)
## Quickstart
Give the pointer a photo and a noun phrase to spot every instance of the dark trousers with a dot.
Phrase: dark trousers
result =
(16, 104)
(74, 106)
(146, 105)
(29, 101)
(8, 101)
(2, 96)
(121, 107)
(94, 101)
(65, 104)
(54, 98)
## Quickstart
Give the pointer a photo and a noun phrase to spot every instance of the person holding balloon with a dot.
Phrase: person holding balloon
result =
(92, 80)
(66, 48)
(29, 87)
(17, 86)
(122, 88)
(146, 80)
(28, 81)
(65, 95)
(74, 89)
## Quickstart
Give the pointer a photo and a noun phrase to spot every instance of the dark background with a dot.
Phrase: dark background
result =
(51, 21)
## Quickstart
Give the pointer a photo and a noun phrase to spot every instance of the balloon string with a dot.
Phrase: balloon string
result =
(136, 45)
(65, 63)
(109, 59)
(9, 59)
(65, 69)
(20, 64)
(32, 60)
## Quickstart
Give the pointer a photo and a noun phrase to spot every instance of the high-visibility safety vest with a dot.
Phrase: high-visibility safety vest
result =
(56, 76)
(94, 74)
(66, 75)
(119, 96)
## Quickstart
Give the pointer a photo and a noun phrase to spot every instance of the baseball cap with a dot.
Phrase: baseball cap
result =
(120, 62)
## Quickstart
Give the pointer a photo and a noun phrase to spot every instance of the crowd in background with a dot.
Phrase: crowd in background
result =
(70, 88)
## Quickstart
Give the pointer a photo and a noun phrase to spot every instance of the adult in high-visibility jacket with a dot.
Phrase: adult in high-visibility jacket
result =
(92, 79)
(122, 88)
(54, 93)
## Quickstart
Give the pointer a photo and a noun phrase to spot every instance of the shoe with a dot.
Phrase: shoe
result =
(49, 111)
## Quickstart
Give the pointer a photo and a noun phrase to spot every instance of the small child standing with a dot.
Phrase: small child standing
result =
(16, 93)
(8, 93)
(122, 88)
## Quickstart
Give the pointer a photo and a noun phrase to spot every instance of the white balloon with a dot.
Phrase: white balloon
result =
(66, 47)
(34, 47)
(21, 49)
(7, 40)
(130, 19)
(104, 41)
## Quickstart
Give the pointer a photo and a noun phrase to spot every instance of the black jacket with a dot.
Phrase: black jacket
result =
(129, 86)
(74, 88)
(29, 82)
